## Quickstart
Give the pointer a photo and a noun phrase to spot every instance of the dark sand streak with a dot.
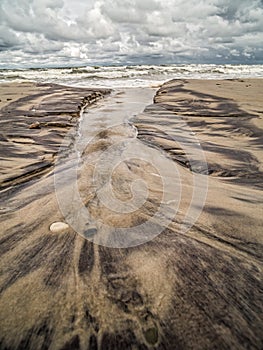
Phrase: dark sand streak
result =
(40, 120)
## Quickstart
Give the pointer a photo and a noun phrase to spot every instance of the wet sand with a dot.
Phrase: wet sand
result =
(186, 289)
(34, 119)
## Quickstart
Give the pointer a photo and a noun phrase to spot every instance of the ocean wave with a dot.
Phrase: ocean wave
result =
(130, 76)
(11, 77)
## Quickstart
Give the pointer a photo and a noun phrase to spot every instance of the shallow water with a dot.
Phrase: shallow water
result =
(123, 191)
(100, 162)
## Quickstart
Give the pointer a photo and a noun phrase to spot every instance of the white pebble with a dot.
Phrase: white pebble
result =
(58, 227)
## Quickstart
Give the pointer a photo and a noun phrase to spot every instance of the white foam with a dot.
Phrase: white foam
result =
(131, 76)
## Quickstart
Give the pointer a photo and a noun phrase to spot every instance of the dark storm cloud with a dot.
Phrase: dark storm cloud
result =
(138, 31)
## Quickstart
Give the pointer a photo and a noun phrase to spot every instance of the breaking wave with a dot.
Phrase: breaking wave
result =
(130, 76)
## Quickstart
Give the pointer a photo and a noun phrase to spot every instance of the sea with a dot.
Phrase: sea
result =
(129, 76)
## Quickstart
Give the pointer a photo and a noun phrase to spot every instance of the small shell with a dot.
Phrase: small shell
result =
(58, 227)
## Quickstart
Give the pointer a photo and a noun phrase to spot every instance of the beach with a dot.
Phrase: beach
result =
(113, 278)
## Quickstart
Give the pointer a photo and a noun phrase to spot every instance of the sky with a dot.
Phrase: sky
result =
(39, 33)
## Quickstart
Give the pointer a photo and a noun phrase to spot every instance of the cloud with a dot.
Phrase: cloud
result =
(8, 38)
(136, 31)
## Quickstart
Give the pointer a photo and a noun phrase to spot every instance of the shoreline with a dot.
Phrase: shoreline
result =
(199, 288)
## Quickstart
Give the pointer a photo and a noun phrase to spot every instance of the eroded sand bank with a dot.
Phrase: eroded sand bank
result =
(186, 289)
(34, 118)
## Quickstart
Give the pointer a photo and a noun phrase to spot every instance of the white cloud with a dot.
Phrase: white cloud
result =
(139, 31)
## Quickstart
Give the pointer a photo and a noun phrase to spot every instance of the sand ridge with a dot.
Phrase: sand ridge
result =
(34, 119)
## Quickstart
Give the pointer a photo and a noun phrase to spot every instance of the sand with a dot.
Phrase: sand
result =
(186, 289)
(34, 119)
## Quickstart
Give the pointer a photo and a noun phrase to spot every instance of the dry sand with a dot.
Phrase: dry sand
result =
(200, 289)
